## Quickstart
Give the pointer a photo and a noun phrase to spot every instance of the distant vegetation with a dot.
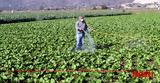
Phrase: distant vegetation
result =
(48, 15)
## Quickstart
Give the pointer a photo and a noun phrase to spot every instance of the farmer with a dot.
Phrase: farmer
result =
(81, 28)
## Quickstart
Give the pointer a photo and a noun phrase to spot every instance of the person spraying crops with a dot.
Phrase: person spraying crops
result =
(81, 30)
(81, 27)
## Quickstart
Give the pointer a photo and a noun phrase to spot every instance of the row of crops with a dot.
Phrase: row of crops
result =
(8, 17)
(129, 42)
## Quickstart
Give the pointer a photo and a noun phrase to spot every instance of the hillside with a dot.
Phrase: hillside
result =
(151, 4)
(145, 1)
(37, 4)
(53, 4)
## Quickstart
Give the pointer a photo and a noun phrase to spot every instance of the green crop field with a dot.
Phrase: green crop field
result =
(130, 42)
(23, 16)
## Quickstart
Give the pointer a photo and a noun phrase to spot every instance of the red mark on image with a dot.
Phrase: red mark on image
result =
(142, 74)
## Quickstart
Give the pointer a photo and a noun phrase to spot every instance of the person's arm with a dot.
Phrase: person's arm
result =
(76, 25)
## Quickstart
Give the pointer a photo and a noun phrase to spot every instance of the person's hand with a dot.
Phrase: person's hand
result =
(81, 30)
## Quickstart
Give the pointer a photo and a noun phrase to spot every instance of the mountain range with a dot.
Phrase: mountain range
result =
(40, 4)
